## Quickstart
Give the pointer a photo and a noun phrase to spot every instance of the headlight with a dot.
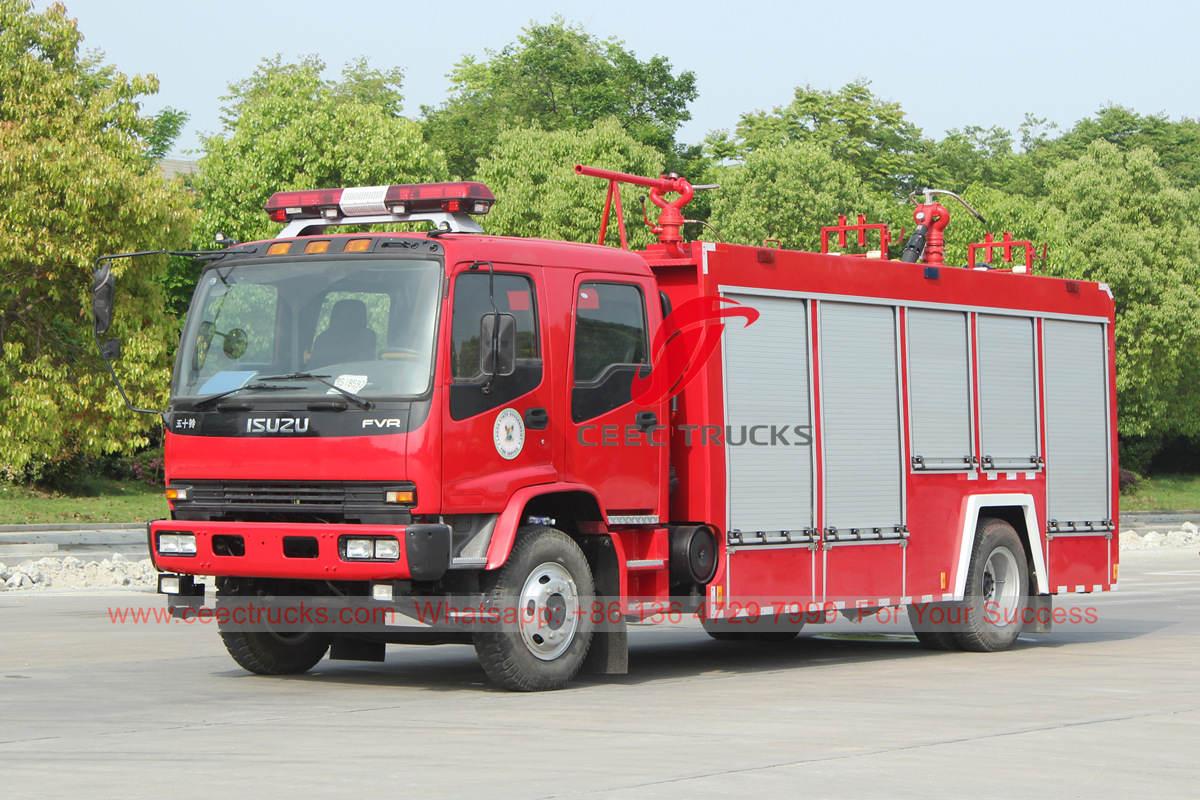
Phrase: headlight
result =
(383, 548)
(177, 544)
(387, 549)
(361, 549)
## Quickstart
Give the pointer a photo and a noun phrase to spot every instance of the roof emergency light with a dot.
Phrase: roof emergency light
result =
(468, 197)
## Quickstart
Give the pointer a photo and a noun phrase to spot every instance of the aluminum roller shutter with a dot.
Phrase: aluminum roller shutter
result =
(766, 383)
(1007, 393)
(939, 389)
(1077, 436)
(861, 416)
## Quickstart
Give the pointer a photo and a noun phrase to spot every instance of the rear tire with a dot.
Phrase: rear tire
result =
(548, 582)
(997, 591)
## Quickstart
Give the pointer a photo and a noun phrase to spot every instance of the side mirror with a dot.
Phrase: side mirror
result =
(102, 299)
(235, 344)
(497, 344)
(203, 341)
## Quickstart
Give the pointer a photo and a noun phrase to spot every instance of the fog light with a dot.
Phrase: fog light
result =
(382, 591)
(168, 584)
(387, 549)
(359, 549)
(177, 544)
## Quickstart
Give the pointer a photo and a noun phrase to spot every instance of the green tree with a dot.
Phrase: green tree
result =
(970, 155)
(538, 193)
(788, 192)
(165, 127)
(1116, 216)
(557, 77)
(287, 127)
(76, 181)
(870, 134)
(1176, 142)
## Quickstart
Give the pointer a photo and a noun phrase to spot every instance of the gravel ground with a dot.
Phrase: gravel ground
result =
(72, 573)
(1187, 536)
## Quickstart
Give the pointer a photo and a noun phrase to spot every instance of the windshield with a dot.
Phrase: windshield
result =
(366, 325)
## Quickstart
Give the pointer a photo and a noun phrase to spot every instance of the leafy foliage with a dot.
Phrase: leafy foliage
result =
(1116, 196)
(538, 193)
(858, 128)
(787, 192)
(1117, 217)
(557, 77)
(75, 182)
(165, 127)
(1175, 142)
(287, 127)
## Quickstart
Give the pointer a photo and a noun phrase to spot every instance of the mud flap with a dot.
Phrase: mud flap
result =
(1041, 614)
(609, 651)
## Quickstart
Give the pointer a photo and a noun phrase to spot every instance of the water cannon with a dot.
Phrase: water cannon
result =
(669, 227)
(928, 242)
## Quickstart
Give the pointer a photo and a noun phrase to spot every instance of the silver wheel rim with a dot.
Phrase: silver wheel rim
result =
(549, 611)
(1002, 583)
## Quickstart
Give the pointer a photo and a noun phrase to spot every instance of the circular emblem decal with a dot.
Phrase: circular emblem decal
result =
(508, 434)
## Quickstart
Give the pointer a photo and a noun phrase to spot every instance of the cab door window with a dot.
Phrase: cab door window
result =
(611, 346)
(474, 293)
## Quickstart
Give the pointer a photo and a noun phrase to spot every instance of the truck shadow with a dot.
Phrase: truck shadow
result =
(672, 654)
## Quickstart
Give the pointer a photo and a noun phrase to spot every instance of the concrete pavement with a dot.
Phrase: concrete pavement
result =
(1111, 710)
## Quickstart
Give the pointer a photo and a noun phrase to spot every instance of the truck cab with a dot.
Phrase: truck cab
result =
(393, 409)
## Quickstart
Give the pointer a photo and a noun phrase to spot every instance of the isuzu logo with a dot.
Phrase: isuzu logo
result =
(277, 425)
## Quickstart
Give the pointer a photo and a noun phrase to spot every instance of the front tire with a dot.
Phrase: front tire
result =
(548, 584)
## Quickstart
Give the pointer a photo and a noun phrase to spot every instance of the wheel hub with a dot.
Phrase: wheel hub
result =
(549, 607)
(1001, 579)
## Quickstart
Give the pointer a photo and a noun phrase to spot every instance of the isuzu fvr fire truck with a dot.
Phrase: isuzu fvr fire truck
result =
(587, 436)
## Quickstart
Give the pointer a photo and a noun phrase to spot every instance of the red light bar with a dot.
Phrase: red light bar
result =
(470, 197)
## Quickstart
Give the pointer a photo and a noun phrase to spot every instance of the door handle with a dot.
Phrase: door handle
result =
(536, 418)
(646, 419)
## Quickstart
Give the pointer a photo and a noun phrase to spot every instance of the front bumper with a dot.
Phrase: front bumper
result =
(424, 551)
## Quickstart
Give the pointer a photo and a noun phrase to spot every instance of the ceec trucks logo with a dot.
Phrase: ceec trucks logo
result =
(683, 344)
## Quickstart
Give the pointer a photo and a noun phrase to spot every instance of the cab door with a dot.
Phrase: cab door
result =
(616, 446)
(495, 431)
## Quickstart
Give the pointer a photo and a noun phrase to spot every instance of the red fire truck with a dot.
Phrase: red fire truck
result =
(586, 436)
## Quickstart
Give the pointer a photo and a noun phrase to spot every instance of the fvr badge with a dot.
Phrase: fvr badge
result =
(508, 434)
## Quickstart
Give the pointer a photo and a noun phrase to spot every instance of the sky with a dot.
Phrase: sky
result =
(948, 64)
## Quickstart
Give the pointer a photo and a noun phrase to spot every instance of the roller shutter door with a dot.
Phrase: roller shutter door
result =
(1007, 393)
(766, 383)
(1077, 436)
(939, 389)
(861, 415)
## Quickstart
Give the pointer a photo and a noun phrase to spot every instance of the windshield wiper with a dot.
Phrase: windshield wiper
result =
(212, 398)
(308, 376)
